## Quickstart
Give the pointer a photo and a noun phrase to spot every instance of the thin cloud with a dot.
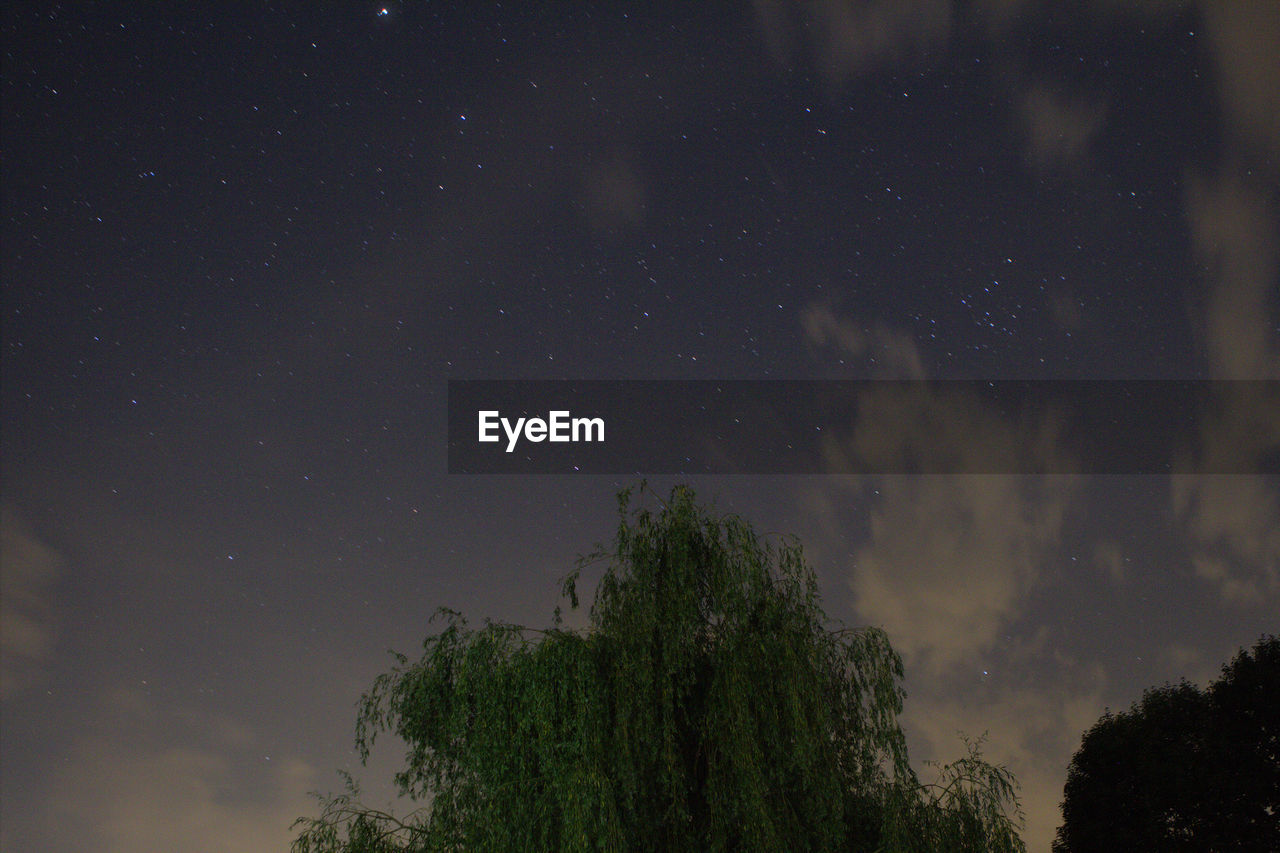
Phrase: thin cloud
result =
(1243, 35)
(1032, 729)
(1234, 227)
(123, 787)
(1232, 534)
(951, 561)
(997, 17)
(613, 193)
(887, 354)
(844, 37)
(1060, 128)
(27, 614)
(1111, 561)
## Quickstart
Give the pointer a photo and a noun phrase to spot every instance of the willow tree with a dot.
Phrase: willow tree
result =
(707, 706)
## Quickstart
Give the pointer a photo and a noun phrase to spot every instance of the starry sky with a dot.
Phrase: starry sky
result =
(246, 246)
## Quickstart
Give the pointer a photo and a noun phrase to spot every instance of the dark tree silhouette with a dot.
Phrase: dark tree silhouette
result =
(1183, 769)
(706, 707)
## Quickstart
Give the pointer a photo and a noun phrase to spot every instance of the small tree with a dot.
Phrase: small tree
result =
(1183, 769)
(706, 707)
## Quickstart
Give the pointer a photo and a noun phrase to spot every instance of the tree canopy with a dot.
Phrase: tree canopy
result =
(1183, 769)
(708, 706)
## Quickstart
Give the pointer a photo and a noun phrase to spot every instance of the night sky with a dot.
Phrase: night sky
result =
(245, 248)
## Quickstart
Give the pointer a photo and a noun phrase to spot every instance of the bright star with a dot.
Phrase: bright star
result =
(383, 12)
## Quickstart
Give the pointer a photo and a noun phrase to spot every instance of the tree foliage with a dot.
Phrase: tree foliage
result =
(706, 707)
(1183, 769)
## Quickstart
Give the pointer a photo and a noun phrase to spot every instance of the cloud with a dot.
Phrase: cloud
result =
(846, 36)
(1142, 8)
(997, 17)
(27, 621)
(1232, 534)
(1232, 207)
(1234, 227)
(888, 353)
(148, 778)
(1232, 211)
(1229, 519)
(1108, 557)
(1243, 35)
(1032, 729)
(1060, 128)
(951, 566)
(952, 560)
(613, 193)
(1190, 663)
(1065, 309)
(949, 559)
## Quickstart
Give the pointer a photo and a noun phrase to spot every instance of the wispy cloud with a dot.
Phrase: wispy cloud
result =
(842, 37)
(951, 560)
(1232, 534)
(1234, 226)
(948, 560)
(27, 613)
(146, 778)
(1243, 35)
(886, 353)
(1033, 728)
(1060, 127)
(613, 192)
